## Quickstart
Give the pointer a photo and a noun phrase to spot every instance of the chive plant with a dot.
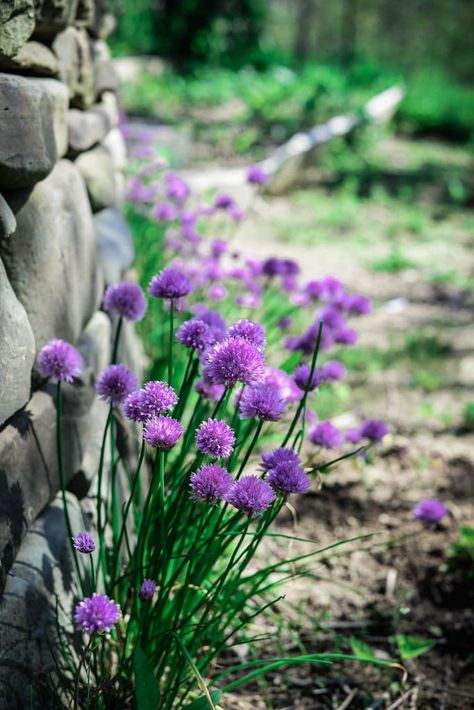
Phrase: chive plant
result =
(175, 580)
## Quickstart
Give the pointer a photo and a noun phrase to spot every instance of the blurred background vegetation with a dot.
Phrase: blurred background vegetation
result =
(289, 63)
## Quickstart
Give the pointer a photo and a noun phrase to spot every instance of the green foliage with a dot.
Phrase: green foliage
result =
(147, 688)
(395, 261)
(268, 106)
(436, 104)
(413, 646)
(461, 552)
(468, 415)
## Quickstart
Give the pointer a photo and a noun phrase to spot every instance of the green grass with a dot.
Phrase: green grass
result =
(394, 262)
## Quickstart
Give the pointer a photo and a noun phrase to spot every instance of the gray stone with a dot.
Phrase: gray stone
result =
(17, 22)
(114, 244)
(33, 131)
(7, 219)
(89, 127)
(105, 184)
(17, 351)
(52, 16)
(29, 476)
(114, 143)
(51, 260)
(75, 65)
(41, 584)
(33, 58)
(85, 129)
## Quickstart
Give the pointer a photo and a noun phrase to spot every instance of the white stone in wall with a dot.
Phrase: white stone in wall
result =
(75, 65)
(33, 129)
(51, 259)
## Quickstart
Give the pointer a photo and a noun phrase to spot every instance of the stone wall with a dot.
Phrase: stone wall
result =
(62, 240)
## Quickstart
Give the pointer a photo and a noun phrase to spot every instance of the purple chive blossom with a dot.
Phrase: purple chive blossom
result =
(356, 305)
(176, 188)
(333, 371)
(211, 483)
(374, 430)
(247, 329)
(147, 590)
(133, 407)
(163, 433)
(59, 360)
(288, 478)
(345, 336)
(430, 511)
(283, 383)
(115, 384)
(285, 322)
(208, 391)
(256, 175)
(272, 459)
(234, 360)
(304, 380)
(153, 399)
(217, 292)
(213, 319)
(250, 495)
(165, 211)
(83, 542)
(354, 436)
(263, 402)
(170, 283)
(195, 334)
(97, 613)
(223, 201)
(215, 438)
(125, 299)
(326, 435)
(157, 397)
(218, 247)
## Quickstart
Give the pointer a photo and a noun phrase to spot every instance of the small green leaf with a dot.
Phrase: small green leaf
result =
(202, 702)
(147, 689)
(413, 646)
(361, 649)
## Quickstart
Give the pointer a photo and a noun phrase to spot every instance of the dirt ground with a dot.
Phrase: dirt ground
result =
(396, 582)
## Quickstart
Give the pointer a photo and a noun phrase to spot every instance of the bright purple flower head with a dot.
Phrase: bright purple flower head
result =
(157, 397)
(223, 201)
(170, 283)
(303, 379)
(326, 435)
(256, 175)
(213, 319)
(272, 459)
(215, 438)
(176, 188)
(97, 613)
(211, 483)
(115, 384)
(288, 478)
(217, 292)
(374, 430)
(147, 590)
(283, 384)
(333, 371)
(314, 290)
(345, 336)
(218, 247)
(59, 360)
(250, 495)
(356, 305)
(195, 334)
(163, 433)
(354, 436)
(153, 399)
(234, 360)
(83, 542)
(208, 391)
(430, 511)
(125, 299)
(263, 402)
(247, 329)
(165, 211)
